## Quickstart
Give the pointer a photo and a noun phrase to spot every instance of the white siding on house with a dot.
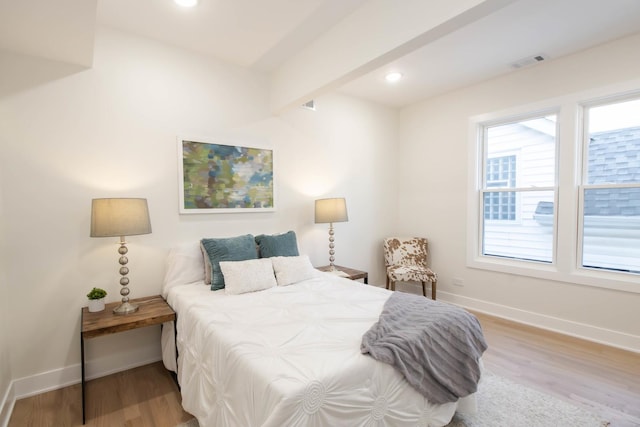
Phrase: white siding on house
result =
(522, 238)
(612, 242)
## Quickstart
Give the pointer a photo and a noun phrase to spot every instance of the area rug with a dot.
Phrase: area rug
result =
(503, 403)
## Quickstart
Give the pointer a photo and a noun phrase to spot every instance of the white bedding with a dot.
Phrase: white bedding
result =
(290, 356)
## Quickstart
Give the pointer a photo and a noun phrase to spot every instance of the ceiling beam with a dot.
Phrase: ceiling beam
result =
(378, 32)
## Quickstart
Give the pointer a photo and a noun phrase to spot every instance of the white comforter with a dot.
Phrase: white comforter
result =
(290, 356)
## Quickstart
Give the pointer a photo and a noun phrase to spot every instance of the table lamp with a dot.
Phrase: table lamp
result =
(330, 211)
(120, 217)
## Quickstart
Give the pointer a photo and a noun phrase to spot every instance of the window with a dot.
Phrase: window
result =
(519, 164)
(555, 194)
(610, 191)
(501, 172)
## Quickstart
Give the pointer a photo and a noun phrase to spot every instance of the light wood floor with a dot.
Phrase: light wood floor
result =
(140, 397)
(604, 379)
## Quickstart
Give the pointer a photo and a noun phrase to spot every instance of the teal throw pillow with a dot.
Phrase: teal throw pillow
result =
(284, 244)
(238, 248)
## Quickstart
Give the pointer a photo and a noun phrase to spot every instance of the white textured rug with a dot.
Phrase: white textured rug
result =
(503, 403)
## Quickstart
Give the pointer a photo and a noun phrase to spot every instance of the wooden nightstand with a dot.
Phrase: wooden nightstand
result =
(153, 311)
(352, 273)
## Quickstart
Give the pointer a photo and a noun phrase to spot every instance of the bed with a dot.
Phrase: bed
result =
(286, 355)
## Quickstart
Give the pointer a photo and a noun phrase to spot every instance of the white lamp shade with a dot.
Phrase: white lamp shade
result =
(331, 210)
(119, 217)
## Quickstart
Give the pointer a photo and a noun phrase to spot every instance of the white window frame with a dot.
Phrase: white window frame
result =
(480, 167)
(583, 185)
(566, 264)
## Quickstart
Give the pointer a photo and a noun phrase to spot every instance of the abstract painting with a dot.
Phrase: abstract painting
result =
(216, 177)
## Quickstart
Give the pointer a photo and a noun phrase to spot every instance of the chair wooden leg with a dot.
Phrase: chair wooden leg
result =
(392, 286)
(424, 289)
(433, 289)
(386, 286)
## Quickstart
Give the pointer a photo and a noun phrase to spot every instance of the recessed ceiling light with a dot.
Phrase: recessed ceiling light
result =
(393, 77)
(186, 3)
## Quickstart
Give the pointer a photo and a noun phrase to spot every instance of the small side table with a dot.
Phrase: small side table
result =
(351, 273)
(153, 310)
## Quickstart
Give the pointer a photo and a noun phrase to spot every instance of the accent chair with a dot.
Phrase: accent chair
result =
(405, 260)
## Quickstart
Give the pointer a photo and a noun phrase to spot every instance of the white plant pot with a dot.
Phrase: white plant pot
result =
(96, 305)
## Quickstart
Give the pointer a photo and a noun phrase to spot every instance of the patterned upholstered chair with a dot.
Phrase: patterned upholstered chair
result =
(405, 259)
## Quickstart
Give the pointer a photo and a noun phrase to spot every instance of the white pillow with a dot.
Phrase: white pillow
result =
(207, 265)
(184, 265)
(292, 269)
(247, 276)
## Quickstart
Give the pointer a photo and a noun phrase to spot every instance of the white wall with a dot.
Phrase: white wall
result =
(434, 137)
(6, 394)
(346, 148)
(110, 131)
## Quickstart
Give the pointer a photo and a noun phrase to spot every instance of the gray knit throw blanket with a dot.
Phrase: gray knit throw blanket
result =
(434, 345)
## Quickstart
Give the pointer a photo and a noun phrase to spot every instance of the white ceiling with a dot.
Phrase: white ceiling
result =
(488, 47)
(253, 33)
(265, 34)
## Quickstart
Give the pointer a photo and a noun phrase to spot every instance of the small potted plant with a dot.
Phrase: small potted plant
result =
(96, 299)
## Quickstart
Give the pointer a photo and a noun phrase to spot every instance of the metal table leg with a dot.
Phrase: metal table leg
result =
(83, 381)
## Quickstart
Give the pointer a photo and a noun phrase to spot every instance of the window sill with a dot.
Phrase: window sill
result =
(626, 282)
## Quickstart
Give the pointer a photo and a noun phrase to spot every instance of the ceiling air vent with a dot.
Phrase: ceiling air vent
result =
(311, 105)
(529, 60)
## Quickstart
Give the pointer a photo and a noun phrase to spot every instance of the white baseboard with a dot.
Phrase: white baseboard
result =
(6, 405)
(69, 375)
(104, 356)
(567, 327)
(53, 380)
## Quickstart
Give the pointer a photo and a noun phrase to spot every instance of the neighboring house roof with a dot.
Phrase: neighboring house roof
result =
(614, 158)
(609, 151)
